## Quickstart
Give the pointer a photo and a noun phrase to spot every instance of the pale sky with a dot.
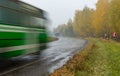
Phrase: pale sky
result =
(60, 11)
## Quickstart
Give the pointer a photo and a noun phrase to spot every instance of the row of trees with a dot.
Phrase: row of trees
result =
(65, 29)
(95, 22)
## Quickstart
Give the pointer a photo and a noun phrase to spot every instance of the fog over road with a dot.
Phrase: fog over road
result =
(55, 56)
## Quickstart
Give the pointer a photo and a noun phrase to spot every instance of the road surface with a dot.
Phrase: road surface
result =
(54, 57)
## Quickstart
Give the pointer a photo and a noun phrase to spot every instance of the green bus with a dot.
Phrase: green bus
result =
(22, 28)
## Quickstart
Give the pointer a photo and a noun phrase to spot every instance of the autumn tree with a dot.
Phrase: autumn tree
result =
(114, 16)
(83, 22)
(100, 18)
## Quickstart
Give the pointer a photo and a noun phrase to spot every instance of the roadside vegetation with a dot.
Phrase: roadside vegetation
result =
(100, 58)
(50, 39)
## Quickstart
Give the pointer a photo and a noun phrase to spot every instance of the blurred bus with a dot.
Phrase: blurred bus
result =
(22, 28)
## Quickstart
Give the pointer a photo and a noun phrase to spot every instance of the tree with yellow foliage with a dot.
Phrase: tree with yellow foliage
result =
(100, 18)
(83, 22)
(114, 16)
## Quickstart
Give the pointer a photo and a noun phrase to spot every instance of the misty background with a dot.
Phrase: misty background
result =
(60, 11)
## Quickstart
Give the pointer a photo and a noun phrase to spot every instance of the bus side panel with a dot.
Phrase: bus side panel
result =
(8, 39)
(7, 55)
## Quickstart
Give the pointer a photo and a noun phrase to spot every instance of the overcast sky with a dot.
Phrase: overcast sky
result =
(61, 10)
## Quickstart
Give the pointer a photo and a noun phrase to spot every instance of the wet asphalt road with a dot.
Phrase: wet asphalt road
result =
(50, 59)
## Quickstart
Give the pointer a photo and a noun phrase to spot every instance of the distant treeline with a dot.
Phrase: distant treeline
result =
(105, 19)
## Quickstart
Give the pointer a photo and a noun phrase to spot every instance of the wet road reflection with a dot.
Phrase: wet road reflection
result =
(58, 53)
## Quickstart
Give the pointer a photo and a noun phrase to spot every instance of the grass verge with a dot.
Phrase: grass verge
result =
(99, 58)
(50, 39)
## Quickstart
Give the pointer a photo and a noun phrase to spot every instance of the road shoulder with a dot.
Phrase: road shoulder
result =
(99, 58)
